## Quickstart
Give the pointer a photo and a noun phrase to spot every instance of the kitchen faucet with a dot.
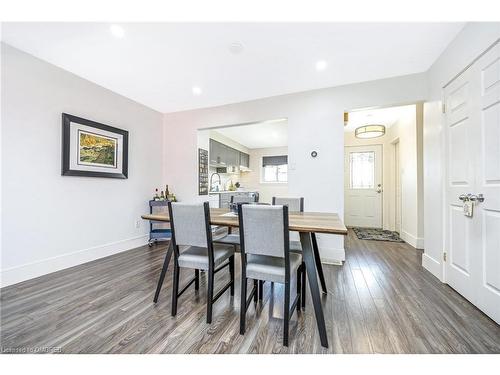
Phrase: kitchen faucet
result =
(218, 175)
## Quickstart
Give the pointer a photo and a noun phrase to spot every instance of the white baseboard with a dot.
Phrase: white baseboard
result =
(28, 271)
(416, 242)
(432, 265)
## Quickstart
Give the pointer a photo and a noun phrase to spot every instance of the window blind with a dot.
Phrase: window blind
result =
(274, 160)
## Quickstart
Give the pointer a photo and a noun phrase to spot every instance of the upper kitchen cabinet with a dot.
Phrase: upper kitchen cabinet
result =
(244, 160)
(223, 156)
(232, 156)
(217, 153)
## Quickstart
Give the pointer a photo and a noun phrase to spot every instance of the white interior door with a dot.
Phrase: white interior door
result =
(460, 128)
(473, 149)
(487, 72)
(363, 186)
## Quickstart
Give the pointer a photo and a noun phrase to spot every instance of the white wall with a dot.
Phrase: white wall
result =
(252, 180)
(468, 45)
(406, 130)
(315, 122)
(52, 222)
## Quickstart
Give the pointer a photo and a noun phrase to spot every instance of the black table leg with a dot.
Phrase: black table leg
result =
(170, 250)
(317, 259)
(308, 255)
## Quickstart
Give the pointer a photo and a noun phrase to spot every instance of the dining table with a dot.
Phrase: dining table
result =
(307, 224)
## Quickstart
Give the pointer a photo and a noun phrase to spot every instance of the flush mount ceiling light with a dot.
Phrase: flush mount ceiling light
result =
(370, 131)
(196, 90)
(321, 65)
(117, 31)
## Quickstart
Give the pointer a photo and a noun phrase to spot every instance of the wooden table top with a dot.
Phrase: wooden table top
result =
(317, 222)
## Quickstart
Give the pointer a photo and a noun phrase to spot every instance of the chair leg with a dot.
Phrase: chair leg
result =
(261, 289)
(196, 279)
(243, 304)
(231, 273)
(303, 284)
(286, 313)
(256, 295)
(210, 294)
(175, 288)
(299, 286)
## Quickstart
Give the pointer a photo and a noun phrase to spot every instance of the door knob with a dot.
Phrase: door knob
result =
(379, 188)
(463, 197)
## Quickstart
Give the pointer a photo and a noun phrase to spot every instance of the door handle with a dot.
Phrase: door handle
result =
(474, 198)
(379, 188)
(463, 197)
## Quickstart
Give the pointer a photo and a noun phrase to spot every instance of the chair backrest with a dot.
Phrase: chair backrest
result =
(264, 230)
(243, 199)
(190, 224)
(294, 204)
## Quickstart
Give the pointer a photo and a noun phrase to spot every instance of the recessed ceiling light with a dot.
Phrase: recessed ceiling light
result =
(236, 48)
(196, 90)
(321, 65)
(117, 31)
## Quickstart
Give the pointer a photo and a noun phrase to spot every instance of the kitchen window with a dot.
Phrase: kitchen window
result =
(275, 169)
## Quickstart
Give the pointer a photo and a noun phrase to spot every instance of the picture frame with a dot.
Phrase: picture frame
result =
(92, 149)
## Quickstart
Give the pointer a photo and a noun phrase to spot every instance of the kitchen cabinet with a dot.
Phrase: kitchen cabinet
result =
(244, 160)
(222, 155)
(224, 198)
(232, 156)
(217, 153)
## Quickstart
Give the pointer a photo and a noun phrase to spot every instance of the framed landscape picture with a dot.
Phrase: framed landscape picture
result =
(92, 149)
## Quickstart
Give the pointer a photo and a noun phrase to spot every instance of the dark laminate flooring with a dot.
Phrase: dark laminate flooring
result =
(380, 301)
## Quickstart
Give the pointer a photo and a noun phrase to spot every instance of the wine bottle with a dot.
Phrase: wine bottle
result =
(166, 191)
(156, 197)
(162, 196)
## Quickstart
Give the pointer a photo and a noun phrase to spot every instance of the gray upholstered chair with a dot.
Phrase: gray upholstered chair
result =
(191, 230)
(234, 238)
(297, 205)
(265, 255)
(294, 205)
(243, 199)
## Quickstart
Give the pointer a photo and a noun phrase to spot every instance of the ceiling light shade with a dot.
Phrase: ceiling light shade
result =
(117, 31)
(370, 131)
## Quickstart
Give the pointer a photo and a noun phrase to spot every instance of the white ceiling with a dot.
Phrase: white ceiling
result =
(383, 116)
(158, 64)
(259, 135)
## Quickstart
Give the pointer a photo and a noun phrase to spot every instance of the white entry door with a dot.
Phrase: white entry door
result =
(473, 149)
(363, 186)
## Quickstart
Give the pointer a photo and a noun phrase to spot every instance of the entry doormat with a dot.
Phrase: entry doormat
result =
(377, 234)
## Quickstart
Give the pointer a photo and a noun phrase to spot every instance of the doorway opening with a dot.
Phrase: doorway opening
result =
(382, 178)
(243, 161)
